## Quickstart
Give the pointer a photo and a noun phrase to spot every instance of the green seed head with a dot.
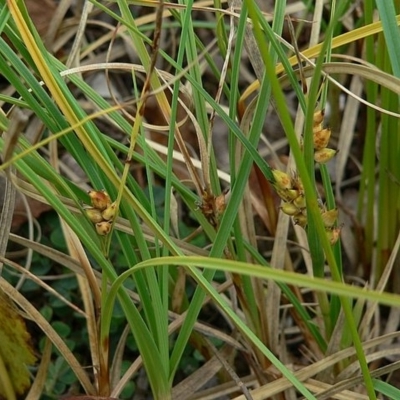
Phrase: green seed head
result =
(94, 214)
(110, 212)
(282, 179)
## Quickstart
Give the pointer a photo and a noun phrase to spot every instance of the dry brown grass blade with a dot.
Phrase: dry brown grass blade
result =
(18, 121)
(91, 298)
(17, 124)
(74, 55)
(229, 369)
(55, 255)
(250, 44)
(178, 157)
(133, 369)
(224, 71)
(225, 389)
(362, 70)
(333, 347)
(281, 384)
(318, 387)
(352, 382)
(189, 161)
(384, 279)
(116, 365)
(6, 216)
(347, 132)
(178, 295)
(279, 259)
(186, 389)
(77, 252)
(354, 367)
(36, 390)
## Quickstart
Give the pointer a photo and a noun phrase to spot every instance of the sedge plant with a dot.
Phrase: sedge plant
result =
(164, 282)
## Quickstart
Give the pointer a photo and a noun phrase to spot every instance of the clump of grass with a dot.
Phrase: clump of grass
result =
(132, 265)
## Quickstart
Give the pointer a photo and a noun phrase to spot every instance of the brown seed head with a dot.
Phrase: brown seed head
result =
(103, 228)
(221, 201)
(318, 117)
(333, 234)
(324, 155)
(100, 199)
(329, 217)
(321, 139)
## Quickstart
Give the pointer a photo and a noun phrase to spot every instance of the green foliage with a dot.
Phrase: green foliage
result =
(59, 378)
(113, 289)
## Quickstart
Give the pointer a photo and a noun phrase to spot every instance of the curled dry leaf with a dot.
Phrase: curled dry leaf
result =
(15, 350)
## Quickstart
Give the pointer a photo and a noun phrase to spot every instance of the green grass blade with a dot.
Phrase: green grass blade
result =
(387, 13)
